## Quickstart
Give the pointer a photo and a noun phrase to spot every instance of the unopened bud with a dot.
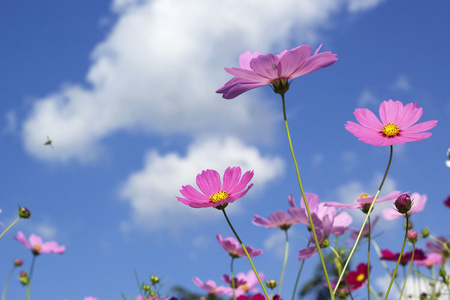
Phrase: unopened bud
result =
(413, 236)
(154, 279)
(23, 277)
(18, 262)
(425, 232)
(24, 213)
(403, 203)
(271, 284)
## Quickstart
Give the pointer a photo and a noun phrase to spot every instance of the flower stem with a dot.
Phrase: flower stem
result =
(313, 230)
(233, 283)
(286, 252)
(7, 283)
(409, 269)
(365, 220)
(399, 258)
(10, 226)
(299, 273)
(368, 261)
(246, 253)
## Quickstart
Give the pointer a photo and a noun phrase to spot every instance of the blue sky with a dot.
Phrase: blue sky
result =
(125, 90)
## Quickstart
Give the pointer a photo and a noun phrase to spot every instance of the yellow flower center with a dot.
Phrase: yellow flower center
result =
(360, 277)
(364, 195)
(218, 196)
(37, 248)
(390, 130)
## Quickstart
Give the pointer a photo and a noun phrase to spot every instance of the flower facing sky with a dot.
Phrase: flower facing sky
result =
(250, 283)
(213, 192)
(234, 248)
(418, 204)
(258, 70)
(36, 244)
(364, 200)
(211, 287)
(278, 219)
(396, 126)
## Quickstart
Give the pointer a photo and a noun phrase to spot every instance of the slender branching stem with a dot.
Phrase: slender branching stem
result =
(246, 253)
(286, 252)
(233, 284)
(313, 230)
(365, 220)
(9, 227)
(368, 260)
(409, 269)
(399, 259)
(299, 273)
(7, 282)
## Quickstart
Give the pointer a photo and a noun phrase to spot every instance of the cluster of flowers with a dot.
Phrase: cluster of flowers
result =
(397, 124)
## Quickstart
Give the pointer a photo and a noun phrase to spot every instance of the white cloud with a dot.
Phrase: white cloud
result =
(361, 5)
(276, 242)
(367, 98)
(151, 191)
(414, 287)
(401, 84)
(158, 68)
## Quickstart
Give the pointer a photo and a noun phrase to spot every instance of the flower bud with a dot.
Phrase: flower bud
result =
(271, 284)
(23, 277)
(325, 243)
(413, 236)
(154, 279)
(403, 203)
(425, 232)
(18, 262)
(24, 213)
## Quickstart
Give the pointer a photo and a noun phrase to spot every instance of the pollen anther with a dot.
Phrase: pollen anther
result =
(218, 196)
(390, 130)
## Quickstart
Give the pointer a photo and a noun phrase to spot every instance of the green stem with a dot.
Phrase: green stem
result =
(233, 284)
(409, 269)
(365, 220)
(286, 252)
(246, 253)
(399, 258)
(316, 241)
(299, 273)
(7, 282)
(368, 261)
(9, 227)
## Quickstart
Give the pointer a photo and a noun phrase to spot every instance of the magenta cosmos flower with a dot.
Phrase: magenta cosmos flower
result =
(364, 200)
(234, 248)
(396, 126)
(406, 257)
(37, 246)
(213, 192)
(257, 69)
(418, 204)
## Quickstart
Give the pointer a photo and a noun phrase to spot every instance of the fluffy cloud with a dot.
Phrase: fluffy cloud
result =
(151, 191)
(158, 68)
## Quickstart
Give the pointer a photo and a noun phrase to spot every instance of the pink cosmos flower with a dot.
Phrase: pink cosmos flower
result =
(235, 249)
(318, 212)
(90, 298)
(365, 231)
(211, 287)
(278, 219)
(250, 280)
(433, 259)
(213, 193)
(37, 246)
(258, 70)
(396, 126)
(441, 247)
(364, 201)
(418, 205)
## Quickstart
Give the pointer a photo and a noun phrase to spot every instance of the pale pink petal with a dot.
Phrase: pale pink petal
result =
(315, 62)
(231, 178)
(243, 183)
(35, 240)
(410, 115)
(246, 57)
(191, 193)
(292, 60)
(307, 253)
(260, 221)
(389, 111)
(367, 119)
(266, 66)
(246, 76)
(420, 127)
(21, 238)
